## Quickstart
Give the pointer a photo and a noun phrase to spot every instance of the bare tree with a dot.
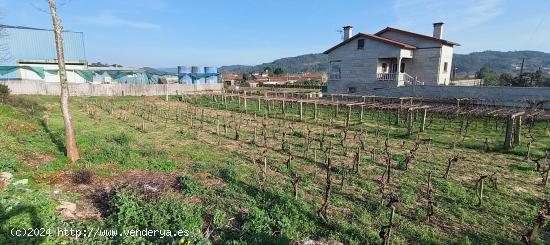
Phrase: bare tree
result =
(70, 141)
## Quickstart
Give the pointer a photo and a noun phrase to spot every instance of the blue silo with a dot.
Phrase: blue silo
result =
(197, 75)
(184, 75)
(213, 74)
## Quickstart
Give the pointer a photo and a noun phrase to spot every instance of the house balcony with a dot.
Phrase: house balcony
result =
(402, 79)
(386, 76)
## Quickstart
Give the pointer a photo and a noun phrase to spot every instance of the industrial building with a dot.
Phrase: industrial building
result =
(197, 75)
(29, 54)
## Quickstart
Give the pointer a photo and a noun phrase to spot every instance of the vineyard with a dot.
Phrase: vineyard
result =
(271, 169)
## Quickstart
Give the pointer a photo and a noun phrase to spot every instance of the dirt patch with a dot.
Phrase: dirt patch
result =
(17, 128)
(36, 159)
(208, 179)
(95, 196)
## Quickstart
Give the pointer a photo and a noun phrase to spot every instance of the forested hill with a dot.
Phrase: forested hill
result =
(302, 63)
(465, 63)
(509, 62)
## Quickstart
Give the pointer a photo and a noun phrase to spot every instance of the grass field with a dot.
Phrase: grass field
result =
(149, 163)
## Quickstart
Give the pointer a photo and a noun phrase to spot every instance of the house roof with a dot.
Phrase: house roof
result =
(387, 29)
(373, 37)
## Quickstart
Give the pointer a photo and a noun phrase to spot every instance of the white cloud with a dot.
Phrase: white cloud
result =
(461, 14)
(108, 19)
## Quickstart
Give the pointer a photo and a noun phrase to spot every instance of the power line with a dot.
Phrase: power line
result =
(539, 24)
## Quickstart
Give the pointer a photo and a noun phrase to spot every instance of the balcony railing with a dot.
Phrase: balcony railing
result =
(401, 78)
(386, 76)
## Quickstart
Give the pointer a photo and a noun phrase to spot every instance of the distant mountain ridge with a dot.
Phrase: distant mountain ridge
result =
(302, 63)
(466, 64)
(509, 62)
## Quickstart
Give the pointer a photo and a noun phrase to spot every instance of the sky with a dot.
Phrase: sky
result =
(168, 33)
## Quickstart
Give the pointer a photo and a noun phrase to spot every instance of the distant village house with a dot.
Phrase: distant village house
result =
(263, 78)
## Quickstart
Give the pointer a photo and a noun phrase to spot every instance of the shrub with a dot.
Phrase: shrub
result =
(8, 162)
(190, 187)
(129, 211)
(219, 218)
(228, 175)
(4, 91)
(122, 139)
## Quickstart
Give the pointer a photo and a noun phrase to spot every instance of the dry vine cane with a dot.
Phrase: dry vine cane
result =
(480, 184)
(540, 221)
(386, 230)
(429, 195)
(322, 212)
(449, 163)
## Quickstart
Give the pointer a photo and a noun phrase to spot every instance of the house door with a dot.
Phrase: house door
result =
(393, 68)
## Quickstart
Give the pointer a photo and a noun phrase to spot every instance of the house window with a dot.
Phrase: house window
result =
(384, 68)
(361, 44)
(445, 66)
(402, 68)
(335, 70)
(352, 89)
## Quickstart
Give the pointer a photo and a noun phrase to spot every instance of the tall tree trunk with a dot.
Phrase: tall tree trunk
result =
(70, 141)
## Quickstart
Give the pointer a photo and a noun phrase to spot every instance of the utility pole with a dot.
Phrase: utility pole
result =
(521, 69)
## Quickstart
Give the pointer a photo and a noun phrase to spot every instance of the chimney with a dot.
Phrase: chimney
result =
(348, 32)
(438, 30)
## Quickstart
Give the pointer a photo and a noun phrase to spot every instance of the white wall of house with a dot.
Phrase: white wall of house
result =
(430, 63)
(359, 66)
(425, 65)
(429, 58)
(445, 71)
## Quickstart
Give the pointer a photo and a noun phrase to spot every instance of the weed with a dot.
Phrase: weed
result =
(190, 187)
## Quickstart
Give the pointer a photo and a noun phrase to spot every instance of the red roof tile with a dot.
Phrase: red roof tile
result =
(373, 37)
(387, 29)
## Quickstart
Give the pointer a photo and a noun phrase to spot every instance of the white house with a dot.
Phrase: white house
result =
(389, 58)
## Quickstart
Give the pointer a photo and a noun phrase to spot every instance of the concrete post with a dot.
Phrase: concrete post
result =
(517, 131)
(315, 110)
(259, 103)
(398, 115)
(410, 122)
(509, 132)
(362, 112)
(301, 111)
(348, 119)
(423, 120)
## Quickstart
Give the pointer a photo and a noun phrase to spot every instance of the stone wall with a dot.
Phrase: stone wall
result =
(42, 88)
(467, 82)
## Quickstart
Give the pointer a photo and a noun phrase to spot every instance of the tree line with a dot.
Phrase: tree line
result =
(526, 79)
